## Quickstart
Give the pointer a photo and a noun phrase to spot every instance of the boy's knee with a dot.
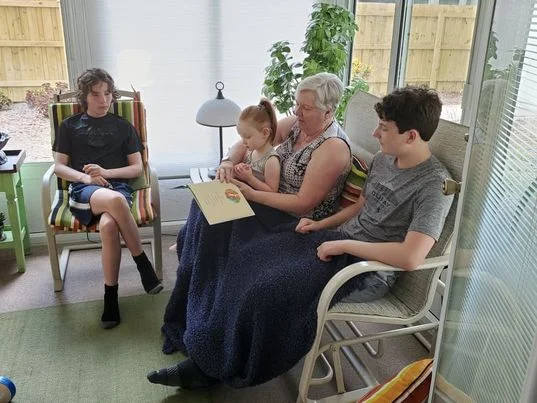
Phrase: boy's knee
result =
(108, 226)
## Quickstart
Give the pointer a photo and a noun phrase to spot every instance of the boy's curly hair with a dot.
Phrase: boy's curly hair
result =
(88, 79)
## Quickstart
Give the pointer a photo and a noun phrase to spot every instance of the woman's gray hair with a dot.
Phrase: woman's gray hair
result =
(328, 88)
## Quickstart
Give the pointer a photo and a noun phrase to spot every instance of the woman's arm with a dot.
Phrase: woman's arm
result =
(326, 165)
(283, 129)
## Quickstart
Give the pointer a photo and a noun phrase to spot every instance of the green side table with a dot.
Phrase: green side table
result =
(17, 236)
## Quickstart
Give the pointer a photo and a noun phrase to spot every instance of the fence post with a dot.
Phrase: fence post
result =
(437, 50)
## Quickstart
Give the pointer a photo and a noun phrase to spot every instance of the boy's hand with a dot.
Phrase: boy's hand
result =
(243, 171)
(95, 170)
(306, 225)
(95, 180)
(327, 249)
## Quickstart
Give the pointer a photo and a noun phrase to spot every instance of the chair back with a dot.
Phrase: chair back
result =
(131, 110)
(448, 144)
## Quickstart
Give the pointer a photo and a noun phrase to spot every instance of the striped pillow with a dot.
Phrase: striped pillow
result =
(354, 183)
(410, 385)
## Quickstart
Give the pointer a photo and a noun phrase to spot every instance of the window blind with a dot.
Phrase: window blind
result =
(488, 336)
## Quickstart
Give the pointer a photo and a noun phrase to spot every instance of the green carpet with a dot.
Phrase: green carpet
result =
(60, 354)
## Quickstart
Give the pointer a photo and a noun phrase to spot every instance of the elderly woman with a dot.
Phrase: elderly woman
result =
(314, 153)
(243, 306)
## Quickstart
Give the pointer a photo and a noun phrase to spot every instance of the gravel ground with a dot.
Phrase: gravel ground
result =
(27, 130)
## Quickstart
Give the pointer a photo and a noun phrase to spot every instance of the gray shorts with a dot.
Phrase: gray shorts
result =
(370, 287)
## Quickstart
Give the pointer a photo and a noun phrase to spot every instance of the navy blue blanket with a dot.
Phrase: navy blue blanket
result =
(244, 303)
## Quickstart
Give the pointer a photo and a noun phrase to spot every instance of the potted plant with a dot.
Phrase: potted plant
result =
(2, 219)
(327, 42)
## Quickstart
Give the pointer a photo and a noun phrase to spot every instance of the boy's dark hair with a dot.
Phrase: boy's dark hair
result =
(412, 107)
(88, 79)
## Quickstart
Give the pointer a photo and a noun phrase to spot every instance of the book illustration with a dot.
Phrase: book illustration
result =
(232, 195)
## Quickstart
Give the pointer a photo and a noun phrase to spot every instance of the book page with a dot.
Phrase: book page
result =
(220, 202)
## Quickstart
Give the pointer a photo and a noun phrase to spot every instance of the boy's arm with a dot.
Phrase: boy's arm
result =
(64, 171)
(132, 170)
(308, 225)
(406, 255)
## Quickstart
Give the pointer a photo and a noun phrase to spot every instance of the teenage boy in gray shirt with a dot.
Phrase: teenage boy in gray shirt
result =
(401, 211)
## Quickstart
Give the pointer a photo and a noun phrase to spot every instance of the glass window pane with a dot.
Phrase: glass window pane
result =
(439, 45)
(372, 44)
(487, 346)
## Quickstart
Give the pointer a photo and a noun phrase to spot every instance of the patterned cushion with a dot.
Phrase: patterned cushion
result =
(61, 218)
(410, 385)
(354, 182)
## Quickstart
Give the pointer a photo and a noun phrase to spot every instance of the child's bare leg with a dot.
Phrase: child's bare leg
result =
(114, 204)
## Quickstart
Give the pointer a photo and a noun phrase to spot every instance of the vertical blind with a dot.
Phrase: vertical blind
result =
(491, 320)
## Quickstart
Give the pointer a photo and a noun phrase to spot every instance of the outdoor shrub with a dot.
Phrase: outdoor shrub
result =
(42, 97)
(5, 102)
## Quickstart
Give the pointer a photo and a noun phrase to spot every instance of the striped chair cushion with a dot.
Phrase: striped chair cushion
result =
(410, 385)
(61, 218)
(354, 183)
(142, 210)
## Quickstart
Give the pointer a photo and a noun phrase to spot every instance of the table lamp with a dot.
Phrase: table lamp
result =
(219, 112)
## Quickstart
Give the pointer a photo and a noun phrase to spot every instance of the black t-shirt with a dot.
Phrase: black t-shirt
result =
(105, 141)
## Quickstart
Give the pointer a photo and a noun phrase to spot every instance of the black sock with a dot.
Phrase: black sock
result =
(110, 317)
(149, 278)
(185, 374)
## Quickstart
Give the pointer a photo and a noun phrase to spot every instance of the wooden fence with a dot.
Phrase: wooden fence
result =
(439, 45)
(32, 50)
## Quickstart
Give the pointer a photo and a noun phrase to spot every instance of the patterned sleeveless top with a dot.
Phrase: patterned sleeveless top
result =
(258, 166)
(294, 163)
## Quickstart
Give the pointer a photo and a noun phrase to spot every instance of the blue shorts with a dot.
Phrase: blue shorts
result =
(80, 194)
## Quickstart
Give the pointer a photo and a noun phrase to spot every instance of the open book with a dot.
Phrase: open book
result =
(220, 202)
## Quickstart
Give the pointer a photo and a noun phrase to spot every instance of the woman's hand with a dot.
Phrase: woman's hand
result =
(243, 171)
(224, 173)
(95, 170)
(245, 189)
(306, 225)
(327, 249)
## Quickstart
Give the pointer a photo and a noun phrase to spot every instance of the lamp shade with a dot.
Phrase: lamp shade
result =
(218, 112)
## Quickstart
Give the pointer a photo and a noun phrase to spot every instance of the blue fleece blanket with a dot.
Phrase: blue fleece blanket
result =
(244, 303)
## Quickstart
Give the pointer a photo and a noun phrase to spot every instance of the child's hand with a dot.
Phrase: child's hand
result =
(306, 225)
(243, 171)
(326, 250)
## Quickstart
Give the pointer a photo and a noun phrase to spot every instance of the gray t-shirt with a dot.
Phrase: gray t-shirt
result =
(400, 200)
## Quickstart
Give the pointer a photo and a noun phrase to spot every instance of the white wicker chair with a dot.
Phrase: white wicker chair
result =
(411, 296)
